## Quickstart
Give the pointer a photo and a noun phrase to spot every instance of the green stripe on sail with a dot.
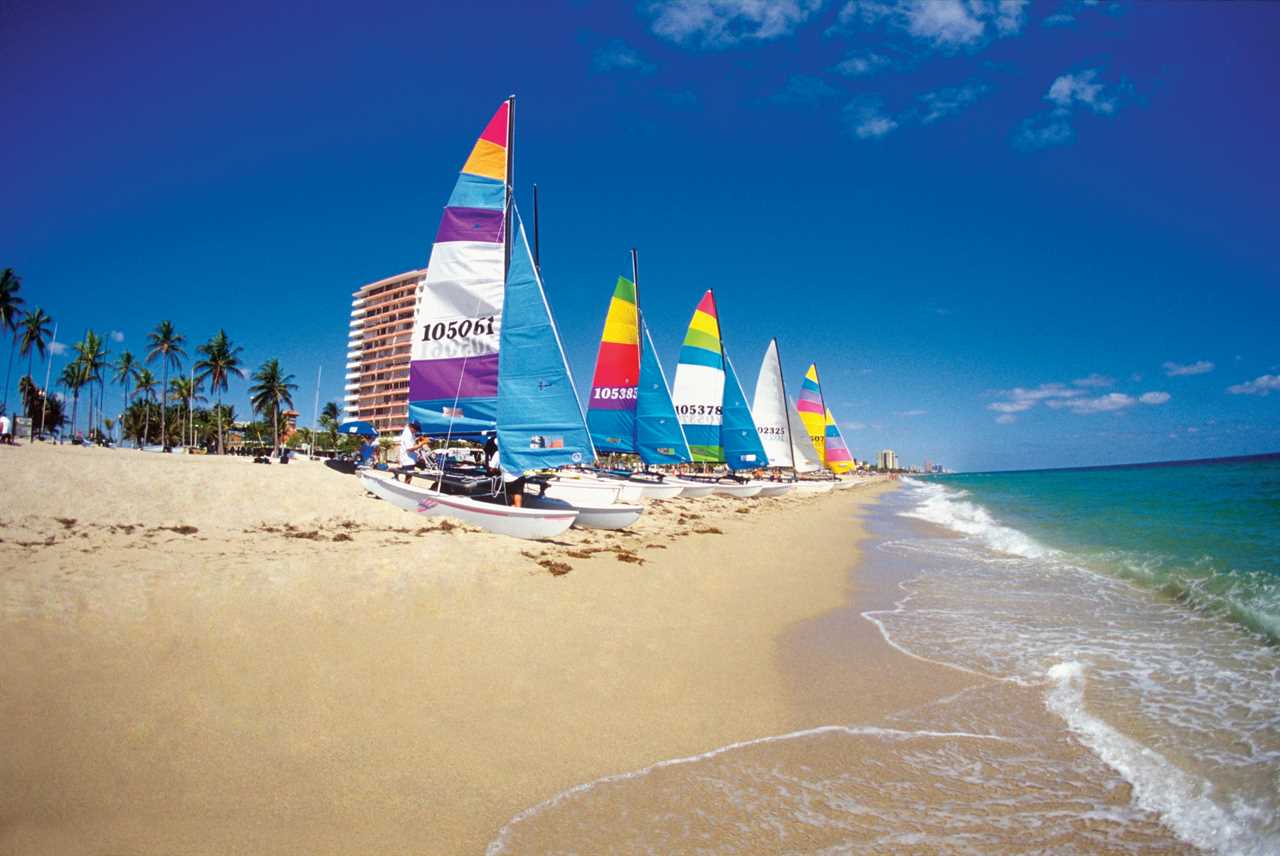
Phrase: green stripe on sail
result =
(698, 339)
(625, 290)
(707, 454)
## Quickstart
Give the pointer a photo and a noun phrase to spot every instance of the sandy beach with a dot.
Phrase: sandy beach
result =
(210, 656)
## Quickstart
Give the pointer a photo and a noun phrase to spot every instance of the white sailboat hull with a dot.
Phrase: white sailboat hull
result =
(582, 492)
(692, 488)
(776, 488)
(527, 523)
(803, 486)
(738, 489)
(613, 516)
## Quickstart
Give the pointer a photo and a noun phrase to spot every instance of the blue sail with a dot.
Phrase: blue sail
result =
(659, 436)
(540, 421)
(738, 436)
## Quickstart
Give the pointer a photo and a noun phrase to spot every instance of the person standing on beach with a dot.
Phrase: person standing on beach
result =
(410, 443)
(512, 485)
(5, 436)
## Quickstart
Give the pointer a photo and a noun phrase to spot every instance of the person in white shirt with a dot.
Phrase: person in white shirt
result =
(5, 427)
(410, 443)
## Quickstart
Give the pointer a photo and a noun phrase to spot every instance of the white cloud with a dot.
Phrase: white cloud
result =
(1006, 418)
(117, 335)
(1154, 397)
(619, 56)
(854, 426)
(1173, 369)
(1263, 385)
(859, 65)
(721, 23)
(1102, 404)
(866, 119)
(803, 89)
(945, 102)
(1094, 379)
(1045, 131)
(1023, 398)
(912, 412)
(1082, 88)
(1009, 16)
(1068, 93)
(57, 348)
(946, 24)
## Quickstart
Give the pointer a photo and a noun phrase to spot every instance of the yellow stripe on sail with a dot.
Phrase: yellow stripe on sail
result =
(704, 323)
(620, 326)
(487, 159)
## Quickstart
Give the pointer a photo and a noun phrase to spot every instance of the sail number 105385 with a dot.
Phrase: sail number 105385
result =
(458, 329)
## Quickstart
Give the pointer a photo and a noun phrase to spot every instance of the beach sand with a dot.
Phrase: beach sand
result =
(202, 655)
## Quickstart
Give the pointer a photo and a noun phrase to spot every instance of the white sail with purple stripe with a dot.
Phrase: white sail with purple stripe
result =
(457, 321)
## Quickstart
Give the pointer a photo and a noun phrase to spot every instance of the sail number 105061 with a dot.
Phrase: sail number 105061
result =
(458, 329)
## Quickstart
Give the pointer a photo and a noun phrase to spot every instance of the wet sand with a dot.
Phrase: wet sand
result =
(210, 656)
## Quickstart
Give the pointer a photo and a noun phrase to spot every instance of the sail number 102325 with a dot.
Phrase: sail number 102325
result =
(458, 329)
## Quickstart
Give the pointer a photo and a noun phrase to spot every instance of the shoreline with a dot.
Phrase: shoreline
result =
(225, 641)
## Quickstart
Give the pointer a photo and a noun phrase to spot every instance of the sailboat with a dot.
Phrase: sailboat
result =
(785, 441)
(486, 355)
(711, 405)
(815, 415)
(630, 410)
(839, 461)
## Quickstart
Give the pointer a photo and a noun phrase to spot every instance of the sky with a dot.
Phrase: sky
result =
(1012, 235)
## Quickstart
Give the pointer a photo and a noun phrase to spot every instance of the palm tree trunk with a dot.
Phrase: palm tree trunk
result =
(219, 423)
(8, 375)
(164, 389)
(75, 407)
(275, 427)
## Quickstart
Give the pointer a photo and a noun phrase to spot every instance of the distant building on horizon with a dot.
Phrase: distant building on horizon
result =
(888, 460)
(378, 343)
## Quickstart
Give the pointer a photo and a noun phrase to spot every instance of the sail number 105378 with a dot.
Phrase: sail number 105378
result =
(458, 329)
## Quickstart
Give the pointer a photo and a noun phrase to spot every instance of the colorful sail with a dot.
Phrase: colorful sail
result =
(611, 411)
(659, 437)
(838, 458)
(812, 411)
(769, 409)
(806, 456)
(738, 435)
(699, 387)
(539, 419)
(453, 363)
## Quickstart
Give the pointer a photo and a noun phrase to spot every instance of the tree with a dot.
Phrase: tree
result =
(35, 335)
(219, 361)
(10, 306)
(125, 372)
(146, 388)
(329, 418)
(186, 390)
(271, 388)
(72, 378)
(91, 352)
(165, 343)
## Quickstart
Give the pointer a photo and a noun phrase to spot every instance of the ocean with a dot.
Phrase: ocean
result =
(1120, 627)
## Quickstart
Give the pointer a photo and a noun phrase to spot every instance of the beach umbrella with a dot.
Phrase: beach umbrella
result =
(364, 429)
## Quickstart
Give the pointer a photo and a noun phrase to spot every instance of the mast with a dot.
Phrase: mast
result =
(786, 404)
(635, 285)
(511, 184)
(537, 245)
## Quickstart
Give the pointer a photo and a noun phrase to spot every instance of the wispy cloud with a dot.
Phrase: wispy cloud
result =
(861, 64)
(617, 55)
(1173, 369)
(1074, 399)
(867, 120)
(117, 336)
(1006, 419)
(721, 23)
(1108, 403)
(1094, 379)
(945, 102)
(944, 24)
(1262, 385)
(1069, 94)
(1154, 397)
(57, 348)
(803, 89)
(910, 413)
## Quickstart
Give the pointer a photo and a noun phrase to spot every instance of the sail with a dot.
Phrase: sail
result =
(812, 411)
(769, 409)
(699, 387)
(611, 411)
(453, 361)
(838, 458)
(807, 458)
(539, 419)
(659, 437)
(738, 435)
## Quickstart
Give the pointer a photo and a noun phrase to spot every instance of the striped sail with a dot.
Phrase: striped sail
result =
(540, 421)
(738, 434)
(812, 411)
(769, 409)
(457, 322)
(611, 412)
(699, 387)
(659, 437)
(838, 458)
(807, 458)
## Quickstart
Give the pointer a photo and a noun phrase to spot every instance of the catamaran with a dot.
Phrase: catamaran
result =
(630, 410)
(487, 357)
(820, 425)
(785, 440)
(711, 406)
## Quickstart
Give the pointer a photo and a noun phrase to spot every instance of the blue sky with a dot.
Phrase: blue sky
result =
(1012, 235)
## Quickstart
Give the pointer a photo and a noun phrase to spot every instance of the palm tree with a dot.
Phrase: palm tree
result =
(329, 419)
(72, 378)
(35, 335)
(125, 372)
(271, 388)
(146, 387)
(166, 343)
(10, 305)
(92, 354)
(220, 360)
(186, 390)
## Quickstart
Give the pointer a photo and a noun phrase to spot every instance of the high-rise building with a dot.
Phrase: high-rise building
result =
(378, 344)
(888, 460)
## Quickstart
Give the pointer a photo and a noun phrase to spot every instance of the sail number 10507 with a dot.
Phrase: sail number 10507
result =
(458, 329)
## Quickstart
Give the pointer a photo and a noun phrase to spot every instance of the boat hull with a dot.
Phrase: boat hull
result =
(740, 490)
(692, 488)
(525, 523)
(581, 492)
(777, 488)
(815, 486)
(613, 516)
